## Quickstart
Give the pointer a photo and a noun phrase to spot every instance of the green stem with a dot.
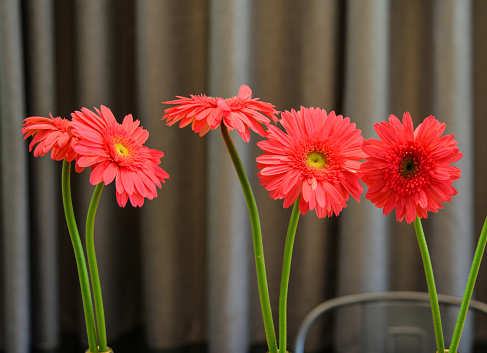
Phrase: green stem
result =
(257, 240)
(477, 259)
(286, 269)
(430, 280)
(95, 279)
(79, 256)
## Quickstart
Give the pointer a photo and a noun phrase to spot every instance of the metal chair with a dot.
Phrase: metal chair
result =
(390, 322)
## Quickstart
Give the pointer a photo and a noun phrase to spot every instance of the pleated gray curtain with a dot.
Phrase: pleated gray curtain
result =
(178, 274)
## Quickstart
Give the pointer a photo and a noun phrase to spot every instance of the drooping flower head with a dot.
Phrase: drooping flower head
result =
(316, 159)
(410, 169)
(207, 113)
(51, 134)
(117, 151)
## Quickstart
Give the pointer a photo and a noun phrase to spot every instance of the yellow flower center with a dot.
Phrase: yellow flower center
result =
(121, 149)
(316, 160)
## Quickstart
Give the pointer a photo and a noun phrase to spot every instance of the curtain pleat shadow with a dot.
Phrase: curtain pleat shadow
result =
(172, 61)
(16, 276)
(45, 195)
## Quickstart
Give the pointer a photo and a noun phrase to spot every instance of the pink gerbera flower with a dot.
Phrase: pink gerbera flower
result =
(410, 169)
(51, 134)
(317, 157)
(204, 113)
(117, 151)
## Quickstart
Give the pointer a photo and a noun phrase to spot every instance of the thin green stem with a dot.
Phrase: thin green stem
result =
(430, 280)
(477, 259)
(95, 279)
(257, 241)
(286, 269)
(79, 256)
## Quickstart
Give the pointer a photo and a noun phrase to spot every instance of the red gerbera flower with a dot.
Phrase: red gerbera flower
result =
(204, 113)
(51, 134)
(318, 159)
(117, 151)
(410, 169)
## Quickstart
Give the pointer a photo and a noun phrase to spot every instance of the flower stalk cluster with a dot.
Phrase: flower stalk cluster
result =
(410, 170)
(314, 161)
(113, 151)
(314, 165)
(79, 256)
(257, 241)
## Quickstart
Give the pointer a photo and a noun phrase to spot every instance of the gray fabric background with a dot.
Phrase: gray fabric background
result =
(181, 267)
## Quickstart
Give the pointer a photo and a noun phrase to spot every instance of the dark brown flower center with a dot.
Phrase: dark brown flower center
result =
(409, 167)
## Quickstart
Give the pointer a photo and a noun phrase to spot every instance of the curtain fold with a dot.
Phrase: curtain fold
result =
(452, 100)
(479, 57)
(41, 98)
(172, 59)
(366, 65)
(180, 270)
(229, 242)
(15, 244)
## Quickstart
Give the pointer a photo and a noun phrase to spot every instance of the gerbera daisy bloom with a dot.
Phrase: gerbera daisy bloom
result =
(51, 134)
(317, 157)
(117, 151)
(204, 113)
(410, 169)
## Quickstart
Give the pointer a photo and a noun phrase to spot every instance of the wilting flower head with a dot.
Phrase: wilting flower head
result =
(204, 113)
(117, 151)
(51, 134)
(317, 157)
(410, 169)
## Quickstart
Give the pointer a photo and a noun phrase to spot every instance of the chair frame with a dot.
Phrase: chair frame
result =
(353, 299)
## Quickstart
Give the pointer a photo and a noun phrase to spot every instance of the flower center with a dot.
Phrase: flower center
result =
(409, 167)
(122, 150)
(316, 160)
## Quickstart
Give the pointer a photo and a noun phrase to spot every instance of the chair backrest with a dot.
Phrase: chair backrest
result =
(388, 322)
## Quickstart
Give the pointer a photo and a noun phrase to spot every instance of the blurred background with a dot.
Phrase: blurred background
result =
(178, 274)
